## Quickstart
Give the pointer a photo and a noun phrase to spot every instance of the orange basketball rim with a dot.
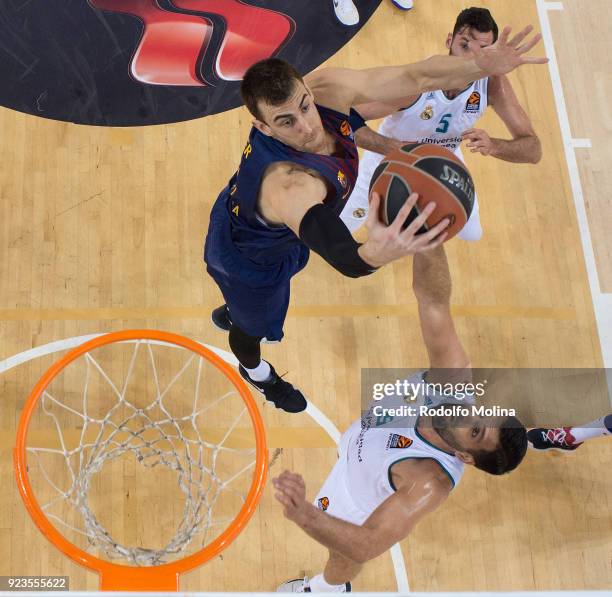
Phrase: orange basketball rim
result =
(164, 577)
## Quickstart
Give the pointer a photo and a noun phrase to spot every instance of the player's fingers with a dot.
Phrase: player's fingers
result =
(438, 229)
(505, 34)
(402, 214)
(284, 500)
(373, 211)
(292, 487)
(434, 237)
(416, 224)
(434, 244)
(280, 487)
(283, 479)
(530, 44)
(528, 60)
(520, 36)
(280, 496)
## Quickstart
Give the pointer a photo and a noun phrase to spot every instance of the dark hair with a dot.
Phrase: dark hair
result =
(509, 453)
(271, 81)
(476, 18)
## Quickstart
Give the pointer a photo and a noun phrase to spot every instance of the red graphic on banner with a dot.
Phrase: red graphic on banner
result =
(252, 33)
(174, 44)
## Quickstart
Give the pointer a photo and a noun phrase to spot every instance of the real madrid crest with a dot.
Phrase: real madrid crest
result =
(427, 113)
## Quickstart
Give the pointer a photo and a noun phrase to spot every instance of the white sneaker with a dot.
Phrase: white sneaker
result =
(299, 585)
(302, 585)
(346, 12)
(403, 4)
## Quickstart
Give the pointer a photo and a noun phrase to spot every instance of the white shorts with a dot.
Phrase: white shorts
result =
(333, 497)
(355, 211)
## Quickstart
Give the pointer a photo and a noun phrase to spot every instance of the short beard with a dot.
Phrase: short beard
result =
(442, 426)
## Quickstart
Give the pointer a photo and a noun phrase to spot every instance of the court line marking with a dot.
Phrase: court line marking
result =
(582, 143)
(602, 303)
(298, 311)
(553, 5)
(397, 557)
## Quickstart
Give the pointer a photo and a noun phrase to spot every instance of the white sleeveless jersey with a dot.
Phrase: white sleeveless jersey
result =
(434, 118)
(374, 443)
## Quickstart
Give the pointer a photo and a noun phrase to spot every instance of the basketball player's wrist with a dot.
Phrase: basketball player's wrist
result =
(368, 255)
(307, 517)
(497, 147)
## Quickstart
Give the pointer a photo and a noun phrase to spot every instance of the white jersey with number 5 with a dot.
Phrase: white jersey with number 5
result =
(432, 118)
(361, 481)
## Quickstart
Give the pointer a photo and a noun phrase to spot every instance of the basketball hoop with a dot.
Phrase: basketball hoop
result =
(153, 437)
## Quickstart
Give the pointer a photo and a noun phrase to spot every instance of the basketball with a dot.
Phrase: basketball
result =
(436, 174)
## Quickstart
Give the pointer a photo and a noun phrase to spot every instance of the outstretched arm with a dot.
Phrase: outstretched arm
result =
(341, 88)
(391, 522)
(295, 198)
(524, 147)
(368, 139)
(432, 286)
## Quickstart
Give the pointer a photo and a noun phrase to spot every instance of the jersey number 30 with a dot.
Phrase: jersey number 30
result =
(444, 123)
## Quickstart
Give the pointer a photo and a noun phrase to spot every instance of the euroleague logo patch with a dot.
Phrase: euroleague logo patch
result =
(342, 178)
(473, 102)
(145, 62)
(323, 503)
(398, 441)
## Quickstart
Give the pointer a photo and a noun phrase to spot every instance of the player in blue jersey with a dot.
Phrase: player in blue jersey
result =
(296, 172)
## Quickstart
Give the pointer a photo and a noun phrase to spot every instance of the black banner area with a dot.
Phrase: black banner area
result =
(145, 62)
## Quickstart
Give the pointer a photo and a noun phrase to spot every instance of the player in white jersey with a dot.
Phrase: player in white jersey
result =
(446, 118)
(396, 466)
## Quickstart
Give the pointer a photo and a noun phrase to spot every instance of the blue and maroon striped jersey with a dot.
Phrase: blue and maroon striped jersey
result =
(251, 235)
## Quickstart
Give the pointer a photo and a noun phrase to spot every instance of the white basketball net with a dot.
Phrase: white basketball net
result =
(155, 441)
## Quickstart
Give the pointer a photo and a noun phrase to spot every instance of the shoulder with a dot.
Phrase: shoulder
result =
(283, 177)
(423, 475)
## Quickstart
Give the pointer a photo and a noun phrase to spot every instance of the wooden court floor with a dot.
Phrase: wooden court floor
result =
(102, 229)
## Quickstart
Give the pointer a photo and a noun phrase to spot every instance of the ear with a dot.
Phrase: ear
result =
(465, 457)
(449, 41)
(262, 127)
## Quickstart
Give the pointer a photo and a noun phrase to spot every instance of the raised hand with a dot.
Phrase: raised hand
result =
(504, 56)
(478, 140)
(291, 493)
